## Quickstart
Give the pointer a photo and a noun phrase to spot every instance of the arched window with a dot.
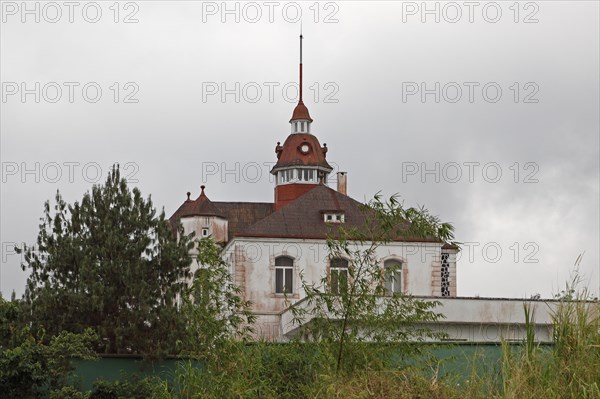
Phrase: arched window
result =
(393, 276)
(284, 275)
(338, 271)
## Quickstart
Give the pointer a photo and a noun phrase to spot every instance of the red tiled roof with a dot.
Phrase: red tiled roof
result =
(450, 246)
(303, 218)
(241, 215)
(291, 155)
(202, 206)
(301, 112)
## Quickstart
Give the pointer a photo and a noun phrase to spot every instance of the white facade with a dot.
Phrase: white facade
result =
(252, 263)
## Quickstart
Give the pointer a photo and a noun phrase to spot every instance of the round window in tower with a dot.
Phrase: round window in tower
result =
(304, 148)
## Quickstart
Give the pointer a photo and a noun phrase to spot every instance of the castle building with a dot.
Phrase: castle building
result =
(269, 245)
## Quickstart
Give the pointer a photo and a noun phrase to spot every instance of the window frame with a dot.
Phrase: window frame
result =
(285, 271)
(337, 270)
(334, 217)
(297, 175)
(395, 286)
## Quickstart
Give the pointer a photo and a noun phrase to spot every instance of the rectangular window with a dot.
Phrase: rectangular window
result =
(205, 232)
(283, 280)
(392, 283)
(338, 275)
(339, 280)
(284, 275)
(334, 217)
(393, 276)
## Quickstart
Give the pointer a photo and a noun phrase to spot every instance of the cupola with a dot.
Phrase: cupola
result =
(301, 163)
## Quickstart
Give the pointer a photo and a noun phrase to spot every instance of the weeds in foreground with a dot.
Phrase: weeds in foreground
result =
(570, 368)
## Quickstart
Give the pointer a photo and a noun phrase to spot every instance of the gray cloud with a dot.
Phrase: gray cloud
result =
(368, 57)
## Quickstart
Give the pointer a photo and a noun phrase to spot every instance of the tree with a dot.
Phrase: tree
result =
(30, 368)
(348, 310)
(213, 308)
(109, 263)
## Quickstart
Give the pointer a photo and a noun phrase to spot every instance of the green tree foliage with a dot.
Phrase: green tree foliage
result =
(110, 263)
(11, 322)
(253, 370)
(213, 307)
(30, 368)
(349, 310)
(130, 388)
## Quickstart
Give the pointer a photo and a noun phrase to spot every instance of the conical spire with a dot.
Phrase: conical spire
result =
(201, 206)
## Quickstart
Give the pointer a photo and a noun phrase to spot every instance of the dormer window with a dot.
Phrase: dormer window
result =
(334, 217)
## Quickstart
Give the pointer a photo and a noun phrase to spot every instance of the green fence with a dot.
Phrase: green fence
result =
(454, 359)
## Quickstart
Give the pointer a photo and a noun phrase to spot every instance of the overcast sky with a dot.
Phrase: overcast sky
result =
(488, 116)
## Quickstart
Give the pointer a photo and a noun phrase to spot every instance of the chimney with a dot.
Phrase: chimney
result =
(342, 182)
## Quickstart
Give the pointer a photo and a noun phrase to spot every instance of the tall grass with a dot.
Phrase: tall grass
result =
(569, 368)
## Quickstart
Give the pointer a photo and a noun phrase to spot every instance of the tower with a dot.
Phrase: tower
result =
(301, 163)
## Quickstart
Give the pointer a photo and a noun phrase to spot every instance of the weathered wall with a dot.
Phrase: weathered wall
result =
(252, 262)
(477, 319)
(217, 227)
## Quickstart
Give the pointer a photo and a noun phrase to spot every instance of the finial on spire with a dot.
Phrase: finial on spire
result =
(300, 112)
(301, 37)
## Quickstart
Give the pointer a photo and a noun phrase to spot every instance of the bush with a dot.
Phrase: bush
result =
(146, 388)
(31, 368)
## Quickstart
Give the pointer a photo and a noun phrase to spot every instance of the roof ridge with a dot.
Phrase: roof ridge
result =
(242, 202)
